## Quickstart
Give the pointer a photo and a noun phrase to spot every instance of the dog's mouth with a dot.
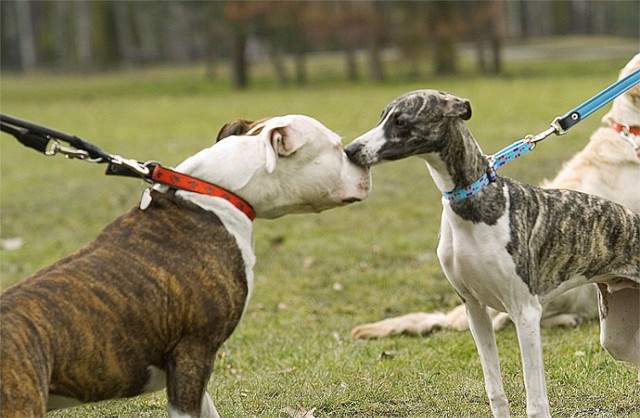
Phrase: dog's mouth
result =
(351, 200)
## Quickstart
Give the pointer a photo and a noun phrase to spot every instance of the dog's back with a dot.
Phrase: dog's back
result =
(89, 326)
(563, 234)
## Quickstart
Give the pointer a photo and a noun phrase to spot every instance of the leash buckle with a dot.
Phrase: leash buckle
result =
(132, 165)
(626, 131)
(557, 128)
(54, 148)
(632, 139)
(554, 129)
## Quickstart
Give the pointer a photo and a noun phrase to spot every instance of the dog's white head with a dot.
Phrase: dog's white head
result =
(286, 164)
(626, 107)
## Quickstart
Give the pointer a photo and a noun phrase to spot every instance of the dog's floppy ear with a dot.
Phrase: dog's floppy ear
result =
(271, 134)
(280, 138)
(456, 107)
(285, 141)
(237, 127)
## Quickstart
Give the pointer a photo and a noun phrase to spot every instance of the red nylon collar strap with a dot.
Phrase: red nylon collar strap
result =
(633, 130)
(191, 184)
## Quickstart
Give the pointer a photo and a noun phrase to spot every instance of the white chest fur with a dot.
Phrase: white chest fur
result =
(475, 260)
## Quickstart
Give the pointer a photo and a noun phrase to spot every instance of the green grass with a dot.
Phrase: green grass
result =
(293, 347)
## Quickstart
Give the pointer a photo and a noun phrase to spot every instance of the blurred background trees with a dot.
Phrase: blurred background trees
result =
(88, 35)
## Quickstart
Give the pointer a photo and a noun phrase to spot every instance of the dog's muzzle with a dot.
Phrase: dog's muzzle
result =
(353, 152)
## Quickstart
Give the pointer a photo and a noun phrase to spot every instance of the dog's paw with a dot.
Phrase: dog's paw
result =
(562, 320)
(374, 330)
(413, 324)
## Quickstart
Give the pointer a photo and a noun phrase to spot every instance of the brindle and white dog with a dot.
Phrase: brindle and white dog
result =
(609, 166)
(148, 303)
(513, 247)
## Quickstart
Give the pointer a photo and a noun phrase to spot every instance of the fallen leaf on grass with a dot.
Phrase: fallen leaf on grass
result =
(11, 244)
(386, 355)
(298, 413)
(308, 263)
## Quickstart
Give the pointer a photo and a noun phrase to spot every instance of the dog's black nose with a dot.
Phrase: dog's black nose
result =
(351, 150)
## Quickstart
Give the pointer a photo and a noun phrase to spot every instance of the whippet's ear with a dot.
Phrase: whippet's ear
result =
(237, 127)
(456, 107)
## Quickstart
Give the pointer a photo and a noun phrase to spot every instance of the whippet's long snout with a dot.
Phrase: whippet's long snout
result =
(353, 151)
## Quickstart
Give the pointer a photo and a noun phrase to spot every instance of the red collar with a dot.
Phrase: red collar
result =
(191, 184)
(625, 129)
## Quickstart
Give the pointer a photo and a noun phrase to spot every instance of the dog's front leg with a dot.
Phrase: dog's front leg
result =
(482, 330)
(188, 371)
(527, 321)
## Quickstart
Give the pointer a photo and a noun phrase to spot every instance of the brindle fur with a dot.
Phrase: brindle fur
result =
(91, 332)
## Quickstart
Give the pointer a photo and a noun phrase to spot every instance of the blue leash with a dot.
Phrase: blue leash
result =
(596, 102)
(559, 126)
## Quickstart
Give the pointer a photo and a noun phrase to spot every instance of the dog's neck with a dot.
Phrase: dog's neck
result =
(236, 222)
(460, 161)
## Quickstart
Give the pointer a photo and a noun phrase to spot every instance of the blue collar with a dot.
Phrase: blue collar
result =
(513, 151)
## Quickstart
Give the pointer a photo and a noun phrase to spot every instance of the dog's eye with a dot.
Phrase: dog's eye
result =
(401, 123)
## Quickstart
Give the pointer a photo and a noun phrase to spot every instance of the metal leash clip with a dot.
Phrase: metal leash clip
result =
(555, 128)
(54, 148)
(138, 168)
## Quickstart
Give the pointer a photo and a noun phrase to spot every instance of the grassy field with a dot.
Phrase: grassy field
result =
(317, 275)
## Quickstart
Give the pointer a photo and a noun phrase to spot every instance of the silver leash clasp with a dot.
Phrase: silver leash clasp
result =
(140, 169)
(71, 153)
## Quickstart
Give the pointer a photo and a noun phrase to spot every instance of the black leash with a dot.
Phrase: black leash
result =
(48, 142)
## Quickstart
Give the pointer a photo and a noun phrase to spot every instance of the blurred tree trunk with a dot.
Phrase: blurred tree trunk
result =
(411, 37)
(26, 41)
(300, 62)
(298, 40)
(10, 56)
(83, 38)
(178, 45)
(61, 39)
(239, 77)
(561, 12)
(374, 47)
(523, 18)
(147, 21)
(124, 33)
(443, 23)
(600, 15)
(211, 54)
(350, 18)
(488, 26)
(277, 59)
(352, 63)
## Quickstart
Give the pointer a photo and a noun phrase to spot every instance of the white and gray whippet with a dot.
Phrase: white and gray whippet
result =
(608, 166)
(512, 246)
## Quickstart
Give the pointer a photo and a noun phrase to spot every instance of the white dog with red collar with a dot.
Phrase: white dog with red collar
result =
(148, 303)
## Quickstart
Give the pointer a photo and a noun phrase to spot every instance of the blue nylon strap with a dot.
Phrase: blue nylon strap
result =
(470, 190)
(559, 126)
(508, 154)
(574, 116)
